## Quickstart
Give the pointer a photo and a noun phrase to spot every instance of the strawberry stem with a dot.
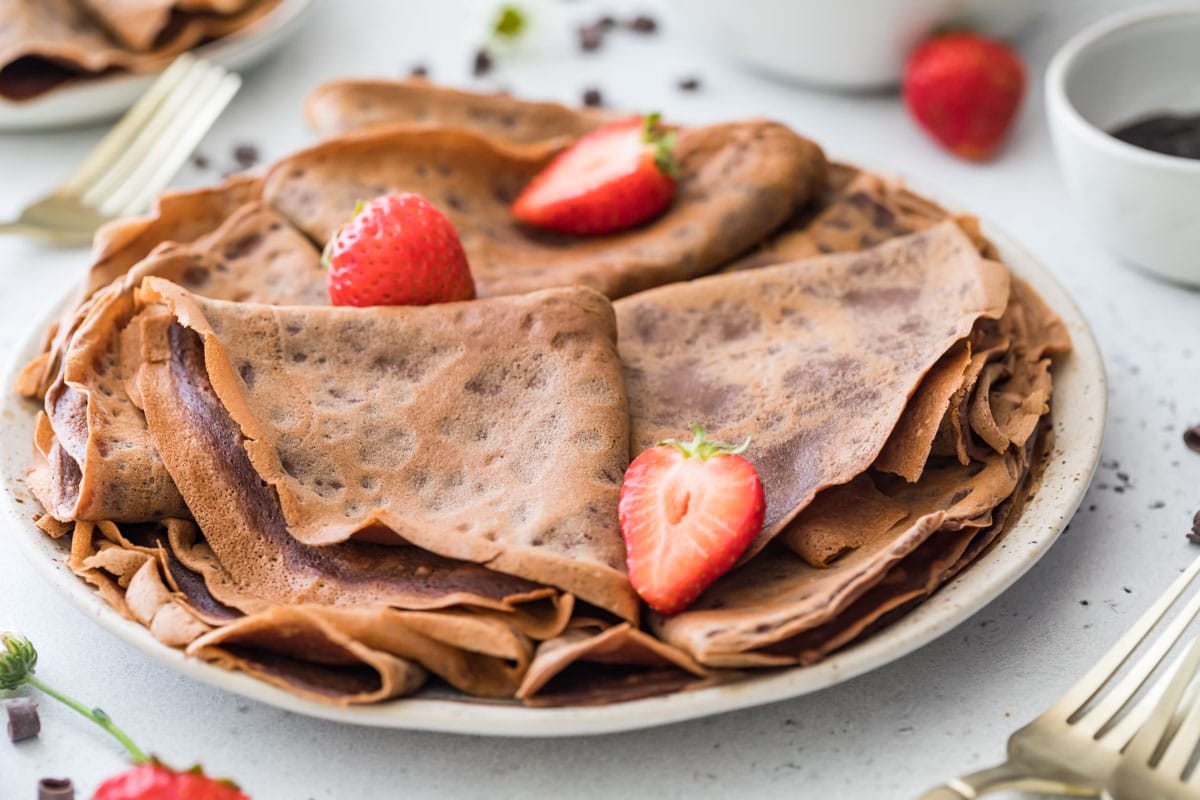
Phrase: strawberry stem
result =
(18, 659)
(663, 143)
(700, 446)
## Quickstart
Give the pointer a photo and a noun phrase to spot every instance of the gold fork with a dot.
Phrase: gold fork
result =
(1075, 746)
(1155, 765)
(136, 160)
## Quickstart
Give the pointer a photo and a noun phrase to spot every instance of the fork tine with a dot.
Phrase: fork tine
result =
(1183, 742)
(182, 144)
(1097, 720)
(1076, 698)
(1150, 738)
(116, 140)
(166, 153)
(105, 183)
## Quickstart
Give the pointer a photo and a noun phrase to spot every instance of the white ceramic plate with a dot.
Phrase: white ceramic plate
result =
(1079, 406)
(91, 100)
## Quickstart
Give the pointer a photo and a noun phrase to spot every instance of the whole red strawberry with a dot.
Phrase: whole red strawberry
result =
(397, 250)
(688, 510)
(614, 178)
(153, 781)
(965, 90)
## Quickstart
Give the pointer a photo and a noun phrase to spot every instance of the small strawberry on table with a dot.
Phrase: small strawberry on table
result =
(964, 90)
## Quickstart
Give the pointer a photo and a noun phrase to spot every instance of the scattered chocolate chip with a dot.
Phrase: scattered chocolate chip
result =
(56, 789)
(1083, 602)
(643, 23)
(1124, 476)
(1127, 590)
(689, 84)
(246, 155)
(23, 720)
(1191, 437)
(591, 37)
(1194, 536)
(592, 97)
(1157, 504)
(483, 63)
(200, 161)
(419, 71)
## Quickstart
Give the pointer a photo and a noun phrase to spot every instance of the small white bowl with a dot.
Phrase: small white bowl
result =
(843, 44)
(1143, 204)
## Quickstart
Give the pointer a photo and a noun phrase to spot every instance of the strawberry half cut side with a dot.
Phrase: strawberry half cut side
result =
(614, 178)
(688, 510)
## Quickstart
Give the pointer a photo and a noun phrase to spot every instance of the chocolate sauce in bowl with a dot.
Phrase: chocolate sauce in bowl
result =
(1171, 134)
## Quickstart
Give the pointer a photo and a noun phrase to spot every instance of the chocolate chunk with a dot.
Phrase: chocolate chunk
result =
(483, 63)
(689, 84)
(23, 720)
(591, 37)
(200, 161)
(592, 97)
(418, 71)
(56, 789)
(1191, 437)
(1194, 536)
(607, 22)
(643, 23)
(246, 155)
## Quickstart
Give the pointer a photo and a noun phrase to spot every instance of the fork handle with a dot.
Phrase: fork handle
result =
(1007, 776)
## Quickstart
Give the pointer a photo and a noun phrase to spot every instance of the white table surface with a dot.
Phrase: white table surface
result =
(946, 709)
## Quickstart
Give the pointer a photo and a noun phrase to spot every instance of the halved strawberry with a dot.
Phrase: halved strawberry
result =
(688, 510)
(612, 179)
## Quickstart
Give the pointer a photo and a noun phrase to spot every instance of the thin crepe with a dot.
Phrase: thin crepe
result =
(340, 107)
(737, 182)
(102, 464)
(814, 361)
(441, 426)
(45, 43)
(864, 549)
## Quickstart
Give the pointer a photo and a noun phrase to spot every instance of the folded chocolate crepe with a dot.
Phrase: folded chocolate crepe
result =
(880, 541)
(737, 182)
(813, 361)
(340, 107)
(97, 461)
(442, 427)
(45, 43)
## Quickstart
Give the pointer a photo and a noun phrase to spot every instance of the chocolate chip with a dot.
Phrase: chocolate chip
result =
(246, 155)
(591, 37)
(56, 789)
(418, 71)
(1194, 536)
(643, 23)
(23, 720)
(689, 84)
(200, 161)
(483, 63)
(592, 97)
(1191, 437)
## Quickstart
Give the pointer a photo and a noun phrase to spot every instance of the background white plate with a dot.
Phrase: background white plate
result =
(94, 99)
(1079, 407)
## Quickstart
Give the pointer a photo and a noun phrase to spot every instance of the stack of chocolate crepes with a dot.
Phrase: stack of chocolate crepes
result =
(45, 43)
(350, 503)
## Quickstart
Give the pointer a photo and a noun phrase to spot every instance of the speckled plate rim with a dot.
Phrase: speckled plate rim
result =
(1079, 413)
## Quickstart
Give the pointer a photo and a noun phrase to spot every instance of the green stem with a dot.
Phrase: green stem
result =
(96, 715)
